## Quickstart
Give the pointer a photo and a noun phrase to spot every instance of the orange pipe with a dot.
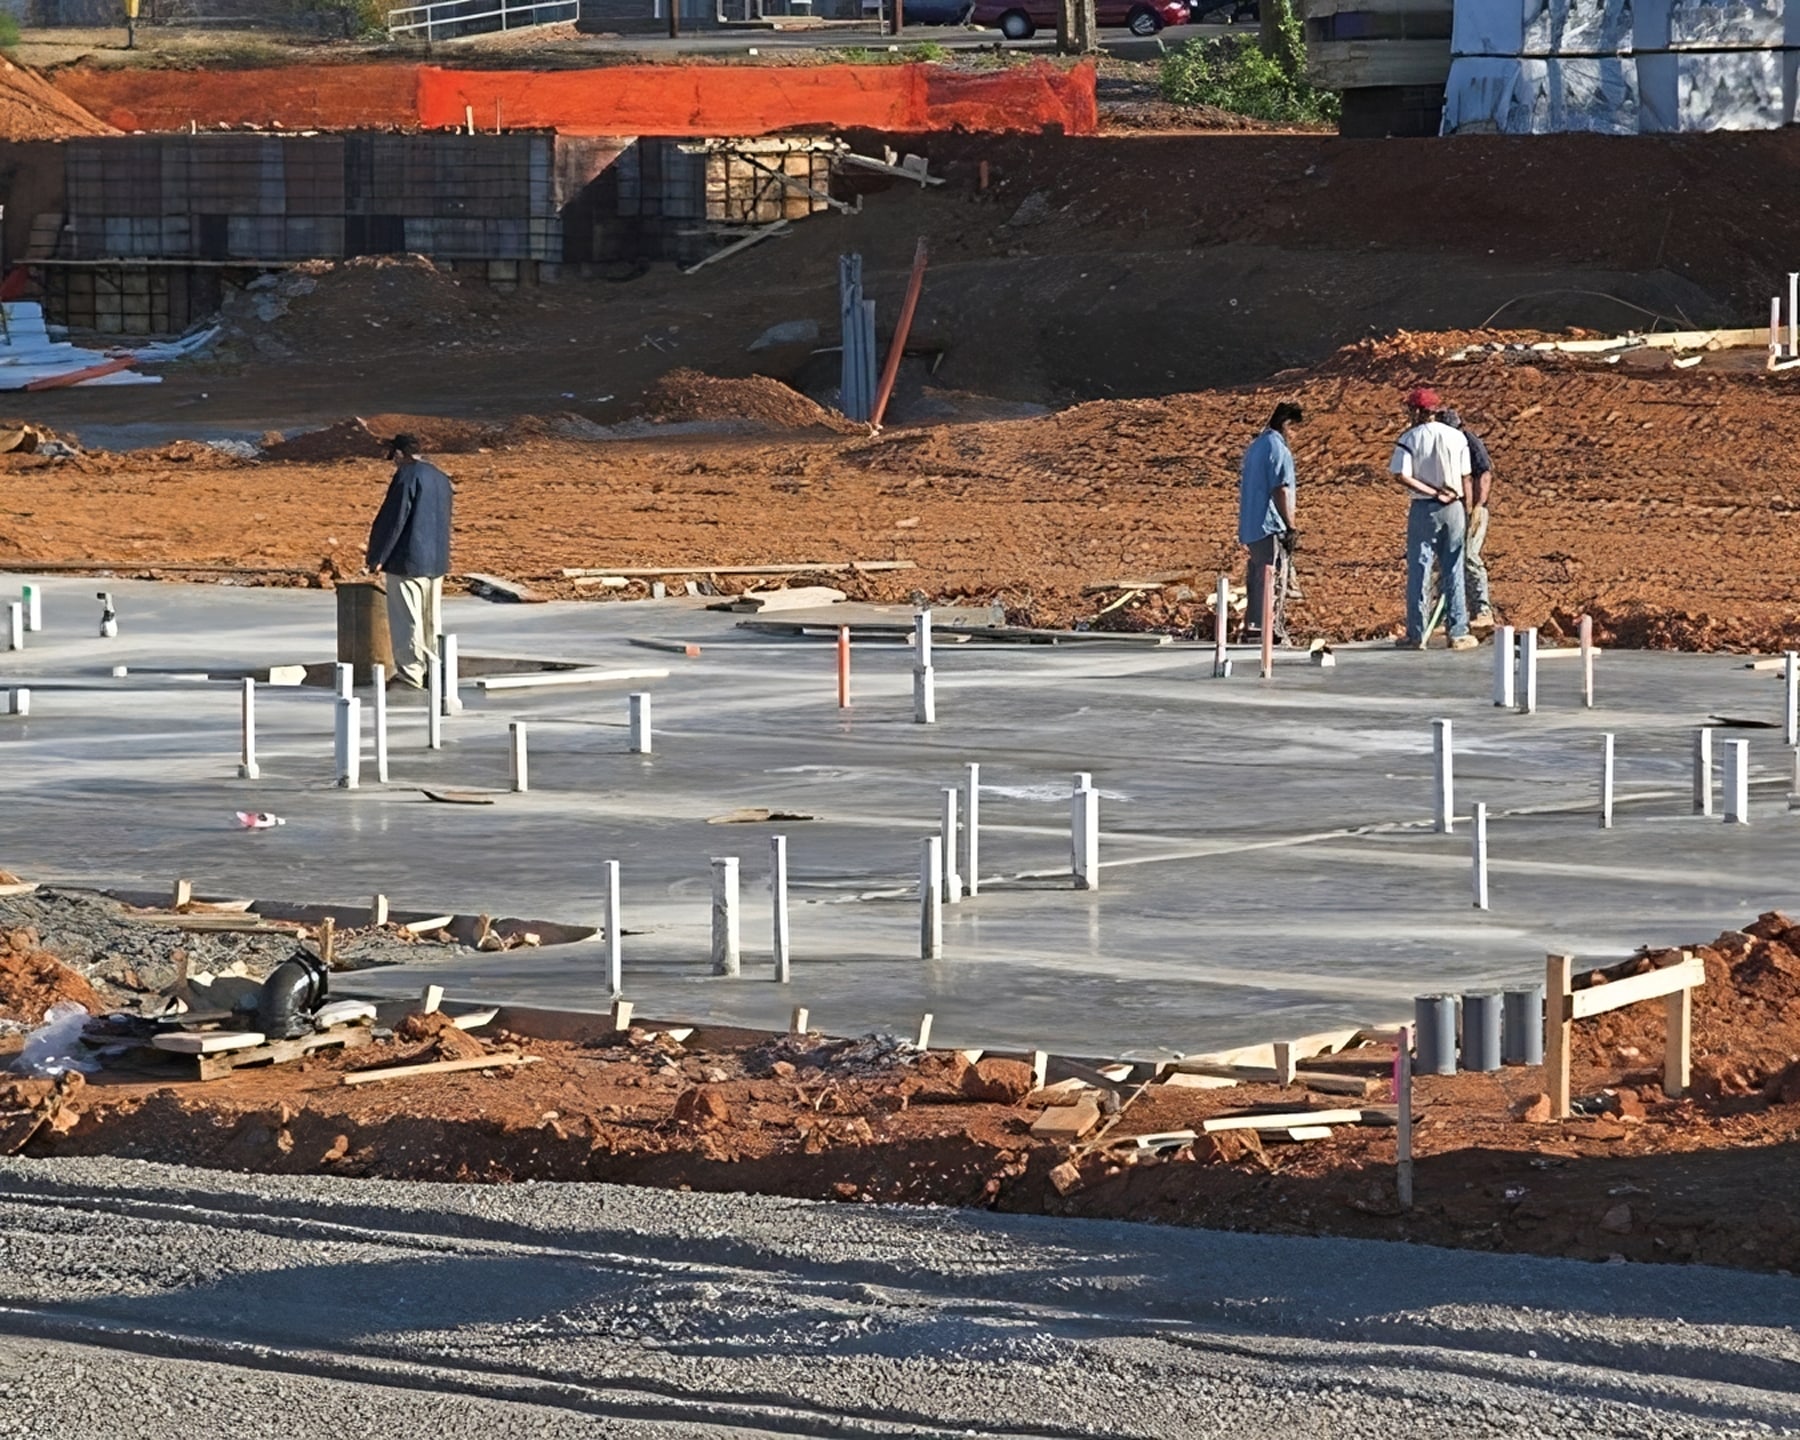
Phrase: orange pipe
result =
(843, 659)
(75, 377)
(891, 370)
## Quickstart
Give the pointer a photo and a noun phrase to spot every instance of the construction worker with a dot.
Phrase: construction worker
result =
(1475, 503)
(410, 543)
(1266, 518)
(1431, 460)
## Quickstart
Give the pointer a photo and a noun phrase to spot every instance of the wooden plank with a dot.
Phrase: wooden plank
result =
(430, 999)
(1067, 1123)
(282, 1052)
(537, 678)
(1598, 999)
(437, 1067)
(1281, 1120)
(818, 567)
(494, 587)
(208, 1042)
(1557, 973)
(1308, 1132)
(761, 235)
(1357, 1085)
(797, 597)
(425, 927)
(673, 647)
(1678, 1044)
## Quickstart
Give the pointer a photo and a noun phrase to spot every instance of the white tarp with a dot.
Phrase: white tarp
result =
(1738, 90)
(1578, 27)
(28, 354)
(1489, 27)
(1529, 96)
(1715, 23)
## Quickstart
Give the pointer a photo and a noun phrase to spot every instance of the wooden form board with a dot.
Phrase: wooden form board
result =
(1564, 1005)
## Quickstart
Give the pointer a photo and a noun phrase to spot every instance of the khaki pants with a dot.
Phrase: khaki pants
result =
(415, 620)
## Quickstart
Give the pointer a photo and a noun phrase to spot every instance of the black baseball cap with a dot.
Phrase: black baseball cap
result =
(403, 444)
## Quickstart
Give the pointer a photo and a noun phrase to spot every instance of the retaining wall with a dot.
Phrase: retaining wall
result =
(676, 100)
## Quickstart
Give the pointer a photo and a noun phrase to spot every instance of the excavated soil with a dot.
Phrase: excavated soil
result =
(33, 109)
(761, 403)
(1623, 494)
(1709, 1177)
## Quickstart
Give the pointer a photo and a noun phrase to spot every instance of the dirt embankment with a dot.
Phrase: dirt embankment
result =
(1707, 1177)
(33, 109)
(1623, 494)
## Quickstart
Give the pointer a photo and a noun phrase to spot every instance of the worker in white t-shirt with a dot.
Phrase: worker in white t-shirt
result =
(1432, 461)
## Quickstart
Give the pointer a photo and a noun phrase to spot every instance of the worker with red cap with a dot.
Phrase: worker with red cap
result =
(1432, 461)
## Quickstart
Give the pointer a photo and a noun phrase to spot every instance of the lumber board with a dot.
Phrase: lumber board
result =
(673, 647)
(208, 1042)
(1281, 1120)
(1308, 1132)
(427, 925)
(24, 887)
(281, 1052)
(1357, 1085)
(652, 572)
(493, 585)
(436, 1067)
(538, 678)
(1598, 999)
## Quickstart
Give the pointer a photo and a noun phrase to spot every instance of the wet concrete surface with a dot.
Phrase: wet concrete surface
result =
(1269, 867)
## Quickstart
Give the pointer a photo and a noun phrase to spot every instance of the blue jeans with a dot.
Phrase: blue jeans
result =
(1434, 536)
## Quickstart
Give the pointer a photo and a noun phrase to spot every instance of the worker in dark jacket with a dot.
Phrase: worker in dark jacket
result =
(410, 544)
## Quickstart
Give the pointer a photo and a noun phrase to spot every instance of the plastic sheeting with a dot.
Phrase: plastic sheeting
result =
(1528, 96)
(1615, 67)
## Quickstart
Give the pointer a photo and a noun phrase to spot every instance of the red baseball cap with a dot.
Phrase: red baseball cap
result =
(1424, 398)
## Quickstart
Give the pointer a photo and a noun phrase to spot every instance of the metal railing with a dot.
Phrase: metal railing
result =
(445, 19)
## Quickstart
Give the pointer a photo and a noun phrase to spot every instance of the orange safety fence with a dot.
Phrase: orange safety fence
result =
(700, 100)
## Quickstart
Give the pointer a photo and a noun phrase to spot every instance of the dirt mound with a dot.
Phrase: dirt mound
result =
(688, 395)
(365, 437)
(31, 980)
(33, 109)
(1746, 1016)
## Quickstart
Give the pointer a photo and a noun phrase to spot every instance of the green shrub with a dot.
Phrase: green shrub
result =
(9, 31)
(1233, 74)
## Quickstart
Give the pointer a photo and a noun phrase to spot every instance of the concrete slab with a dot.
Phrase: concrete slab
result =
(1269, 867)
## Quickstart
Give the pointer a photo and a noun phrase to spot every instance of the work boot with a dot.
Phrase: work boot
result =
(1463, 642)
(1407, 643)
(1484, 621)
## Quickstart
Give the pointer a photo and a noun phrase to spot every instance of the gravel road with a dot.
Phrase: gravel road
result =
(136, 1299)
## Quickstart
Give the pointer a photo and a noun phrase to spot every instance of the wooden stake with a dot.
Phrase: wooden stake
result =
(430, 999)
(1403, 1086)
(1284, 1062)
(621, 1016)
(327, 941)
(1677, 1046)
(924, 1040)
(183, 895)
(1558, 1028)
(799, 1021)
(378, 912)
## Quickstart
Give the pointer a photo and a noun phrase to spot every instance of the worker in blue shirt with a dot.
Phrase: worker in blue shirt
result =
(1266, 517)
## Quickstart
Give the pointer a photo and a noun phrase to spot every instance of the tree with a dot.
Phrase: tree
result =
(1077, 30)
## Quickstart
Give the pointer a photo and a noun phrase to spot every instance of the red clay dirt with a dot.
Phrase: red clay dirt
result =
(32, 980)
(1705, 1178)
(33, 109)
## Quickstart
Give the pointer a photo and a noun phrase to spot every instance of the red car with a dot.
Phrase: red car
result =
(1020, 19)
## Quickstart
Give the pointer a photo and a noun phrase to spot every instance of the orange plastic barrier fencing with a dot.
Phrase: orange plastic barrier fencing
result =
(719, 100)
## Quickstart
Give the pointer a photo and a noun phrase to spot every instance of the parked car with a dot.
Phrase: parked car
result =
(1021, 19)
(936, 12)
(1222, 12)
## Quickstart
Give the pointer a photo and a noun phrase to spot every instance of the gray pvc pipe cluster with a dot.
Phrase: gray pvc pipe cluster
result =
(1498, 1028)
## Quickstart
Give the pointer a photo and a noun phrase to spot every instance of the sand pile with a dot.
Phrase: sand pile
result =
(688, 395)
(32, 109)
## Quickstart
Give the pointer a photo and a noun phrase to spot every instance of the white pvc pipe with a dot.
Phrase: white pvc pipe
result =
(32, 596)
(638, 714)
(452, 681)
(778, 895)
(1606, 781)
(1791, 697)
(1084, 833)
(379, 675)
(1478, 854)
(346, 680)
(521, 771)
(947, 834)
(1703, 771)
(349, 743)
(434, 701)
(725, 956)
(922, 640)
(615, 970)
(1587, 661)
(1528, 657)
(1443, 778)
(18, 702)
(1737, 782)
(247, 766)
(924, 696)
(931, 905)
(1793, 314)
(1221, 619)
(15, 626)
(1505, 657)
(972, 830)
